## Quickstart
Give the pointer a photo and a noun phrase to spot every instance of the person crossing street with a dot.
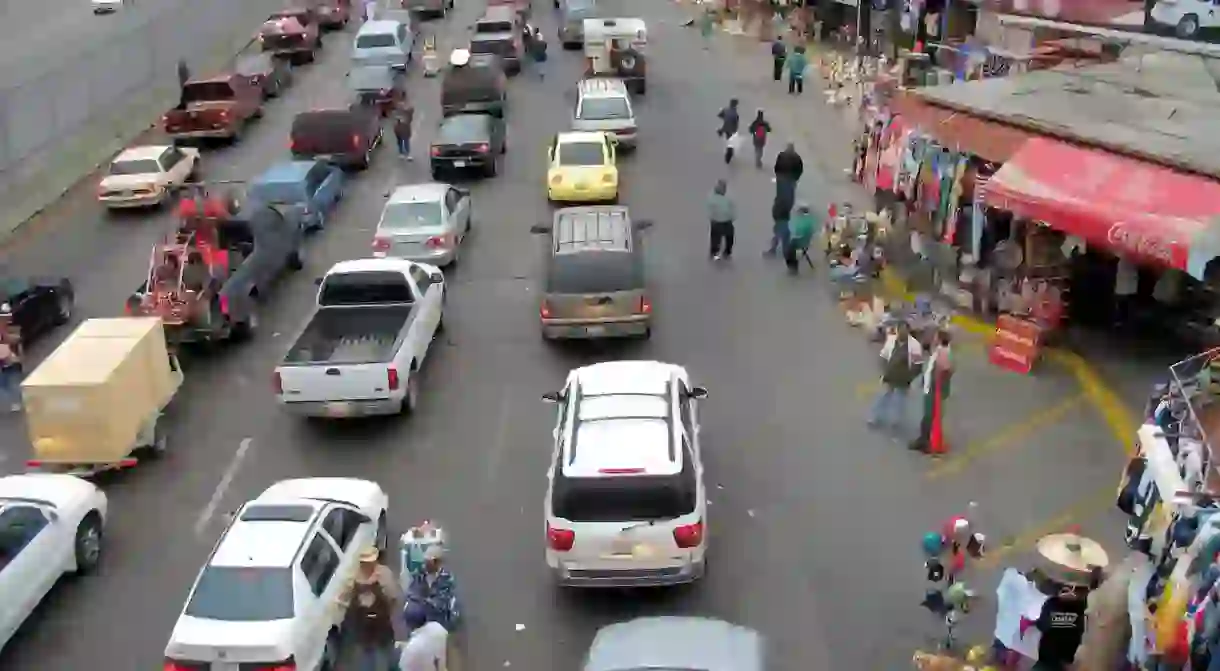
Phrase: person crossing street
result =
(779, 54)
(797, 64)
(721, 212)
(404, 118)
(759, 129)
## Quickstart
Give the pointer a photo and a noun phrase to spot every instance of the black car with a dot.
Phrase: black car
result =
(469, 141)
(345, 137)
(378, 86)
(270, 74)
(37, 305)
(508, 46)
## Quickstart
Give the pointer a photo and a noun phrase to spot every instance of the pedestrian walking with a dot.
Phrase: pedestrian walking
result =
(706, 24)
(934, 380)
(184, 76)
(721, 213)
(370, 599)
(797, 64)
(788, 165)
(779, 54)
(404, 119)
(781, 212)
(730, 119)
(800, 236)
(759, 129)
(900, 358)
(538, 52)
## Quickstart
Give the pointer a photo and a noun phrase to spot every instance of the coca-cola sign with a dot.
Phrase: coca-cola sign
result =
(1125, 237)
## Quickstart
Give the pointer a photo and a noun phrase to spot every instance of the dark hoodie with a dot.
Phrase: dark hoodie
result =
(730, 119)
(759, 129)
(788, 165)
(402, 123)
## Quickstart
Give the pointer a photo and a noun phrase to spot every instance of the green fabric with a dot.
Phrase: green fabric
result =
(800, 230)
(797, 62)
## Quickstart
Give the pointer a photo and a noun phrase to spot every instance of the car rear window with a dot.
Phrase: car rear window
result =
(602, 109)
(375, 40)
(277, 193)
(405, 216)
(496, 47)
(594, 273)
(145, 166)
(207, 92)
(242, 594)
(493, 27)
(365, 288)
(462, 129)
(581, 153)
(625, 499)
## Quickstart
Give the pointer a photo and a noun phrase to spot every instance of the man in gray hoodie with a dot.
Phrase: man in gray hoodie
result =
(721, 212)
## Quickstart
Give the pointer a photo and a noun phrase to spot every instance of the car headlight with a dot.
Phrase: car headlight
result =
(609, 178)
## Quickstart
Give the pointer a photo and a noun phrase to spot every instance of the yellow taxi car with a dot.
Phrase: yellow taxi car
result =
(583, 168)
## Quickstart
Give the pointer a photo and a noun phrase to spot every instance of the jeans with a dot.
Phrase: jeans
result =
(779, 236)
(758, 154)
(376, 658)
(796, 84)
(10, 384)
(777, 69)
(404, 145)
(889, 408)
(722, 234)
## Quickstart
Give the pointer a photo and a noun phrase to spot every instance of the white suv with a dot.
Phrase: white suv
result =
(625, 504)
(268, 596)
(603, 103)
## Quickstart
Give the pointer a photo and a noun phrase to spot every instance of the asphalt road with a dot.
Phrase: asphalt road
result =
(815, 520)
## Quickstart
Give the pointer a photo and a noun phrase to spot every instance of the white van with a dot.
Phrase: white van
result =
(384, 43)
(1187, 17)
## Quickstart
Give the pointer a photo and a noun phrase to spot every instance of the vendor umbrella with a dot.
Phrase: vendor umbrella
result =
(1072, 557)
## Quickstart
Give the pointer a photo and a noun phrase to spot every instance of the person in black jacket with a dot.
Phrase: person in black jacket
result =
(781, 212)
(779, 54)
(788, 166)
(730, 120)
(759, 130)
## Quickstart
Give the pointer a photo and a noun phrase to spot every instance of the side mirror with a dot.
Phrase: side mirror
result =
(317, 281)
(462, 190)
(643, 224)
(539, 229)
(437, 277)
(365, 519)
(698, 392)
(52, 515)
(552, 397)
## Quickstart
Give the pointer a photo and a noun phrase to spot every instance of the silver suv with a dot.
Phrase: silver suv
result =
(603, 103)
(595, 285)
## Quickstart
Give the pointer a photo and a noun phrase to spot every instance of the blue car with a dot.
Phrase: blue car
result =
(311, 188)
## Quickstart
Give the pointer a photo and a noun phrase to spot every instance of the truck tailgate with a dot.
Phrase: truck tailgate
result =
(322, 383)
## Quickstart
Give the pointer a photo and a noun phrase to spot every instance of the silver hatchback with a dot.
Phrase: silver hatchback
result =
(603, 103)
(424, 222)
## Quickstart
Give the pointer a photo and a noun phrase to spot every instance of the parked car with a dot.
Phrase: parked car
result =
(146, 176)
(384, 43)
(603, 103)
(37, 305)
(217, 107)
(332, 14)
(671, 642)
(292, 551)
(271, 75)
(377, 86)
(595, 283)
(292, 33)
(634, 517)
(345, 137)
(311, 189)
(424, 222)
(468, 141)
(499, 32)
(1187, 18)
(478, 85)
(50, 525)
(429, 8)
(583, 168)
(362, 350)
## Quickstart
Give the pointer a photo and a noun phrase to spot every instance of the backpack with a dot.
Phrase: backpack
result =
(760, 132)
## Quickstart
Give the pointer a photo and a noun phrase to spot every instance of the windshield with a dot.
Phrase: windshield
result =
(602, 109)
(279, 193)
(594, 273)
(145, 166)
(493, 27)
(365, 288)
(497, 47)
(375, 40)
(581, 153)
(206, 92)
(241, 594)
(398, 216)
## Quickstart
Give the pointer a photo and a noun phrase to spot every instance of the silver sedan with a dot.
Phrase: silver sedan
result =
(424, 222)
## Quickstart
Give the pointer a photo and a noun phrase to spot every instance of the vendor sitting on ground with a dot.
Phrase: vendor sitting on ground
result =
(432, 589)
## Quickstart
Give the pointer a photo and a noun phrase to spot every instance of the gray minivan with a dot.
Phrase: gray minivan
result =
(595, 285)
(572, 15)
(384, 43)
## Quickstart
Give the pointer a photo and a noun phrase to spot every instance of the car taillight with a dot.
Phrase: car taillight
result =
(482, 148)
(689, 535)
(356, 142)
(435, 151)
(224, 305)
(560, 540)
(278, 381)
(381, 244)
(545, 310)
(392, 378)
(643, 306)
(224, 115)
(437, 242)
(292, 144)
(608, 178)
(384, 92)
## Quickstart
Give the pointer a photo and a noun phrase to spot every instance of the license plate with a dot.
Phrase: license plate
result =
(581, 187)
(225, 666)
(324, 157)
(595, 330)
(338, 409)
(459, 164)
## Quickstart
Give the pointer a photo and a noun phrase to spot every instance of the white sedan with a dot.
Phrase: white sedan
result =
(146, 176)
(49, 525)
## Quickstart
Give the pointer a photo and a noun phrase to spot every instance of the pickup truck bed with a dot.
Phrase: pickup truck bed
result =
(351, 335)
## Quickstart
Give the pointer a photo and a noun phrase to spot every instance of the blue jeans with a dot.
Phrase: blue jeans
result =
(10, 384)
(779, 235)
(404, 145)
(375, 658)
(889, 408)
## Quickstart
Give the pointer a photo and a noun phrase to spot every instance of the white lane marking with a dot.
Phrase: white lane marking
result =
(500, 440)
(218, 494)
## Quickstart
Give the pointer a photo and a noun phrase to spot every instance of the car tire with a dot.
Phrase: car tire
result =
(295, 262)
(436, 175)
(309, 57)
(1187, 27)
(440, 324)
(244, 330)
(647, 334)
(88, 544)
(64, 306)
(366, 160)
(410, 400)
(491, 170)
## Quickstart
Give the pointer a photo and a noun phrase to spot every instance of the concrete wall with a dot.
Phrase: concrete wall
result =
(83, 102)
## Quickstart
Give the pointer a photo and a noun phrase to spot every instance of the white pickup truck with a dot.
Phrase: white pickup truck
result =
(361, 351)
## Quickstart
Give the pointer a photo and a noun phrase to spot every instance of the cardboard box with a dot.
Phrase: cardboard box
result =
(88, 401)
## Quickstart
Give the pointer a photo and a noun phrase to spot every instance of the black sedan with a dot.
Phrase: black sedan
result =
(271, 75)
(468, 141)
(37, 305)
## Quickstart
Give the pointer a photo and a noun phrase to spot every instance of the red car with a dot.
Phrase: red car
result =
(332, 14)
(217, 107)
(291, 33)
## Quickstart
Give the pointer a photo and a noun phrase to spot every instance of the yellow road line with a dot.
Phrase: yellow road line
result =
(1091, 505)
(1006, 436)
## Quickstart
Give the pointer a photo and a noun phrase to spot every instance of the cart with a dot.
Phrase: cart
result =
(99, 399)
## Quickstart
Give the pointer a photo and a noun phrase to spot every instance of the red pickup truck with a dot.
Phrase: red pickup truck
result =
(522, 6)
(217, 107)
(332, 14)
(291, 33)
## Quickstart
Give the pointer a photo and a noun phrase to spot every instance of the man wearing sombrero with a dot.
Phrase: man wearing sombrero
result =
(371, 601)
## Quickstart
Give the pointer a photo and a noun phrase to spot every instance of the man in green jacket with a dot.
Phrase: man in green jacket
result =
(800, 236)
(797, 63)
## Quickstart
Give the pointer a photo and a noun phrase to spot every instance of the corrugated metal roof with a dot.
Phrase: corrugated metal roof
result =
(599, 228)
(988, 140)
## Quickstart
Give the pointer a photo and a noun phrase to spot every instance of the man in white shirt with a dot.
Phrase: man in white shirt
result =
(427, 646)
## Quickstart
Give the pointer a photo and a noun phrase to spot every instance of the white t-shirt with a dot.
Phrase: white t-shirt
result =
(425, 650)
